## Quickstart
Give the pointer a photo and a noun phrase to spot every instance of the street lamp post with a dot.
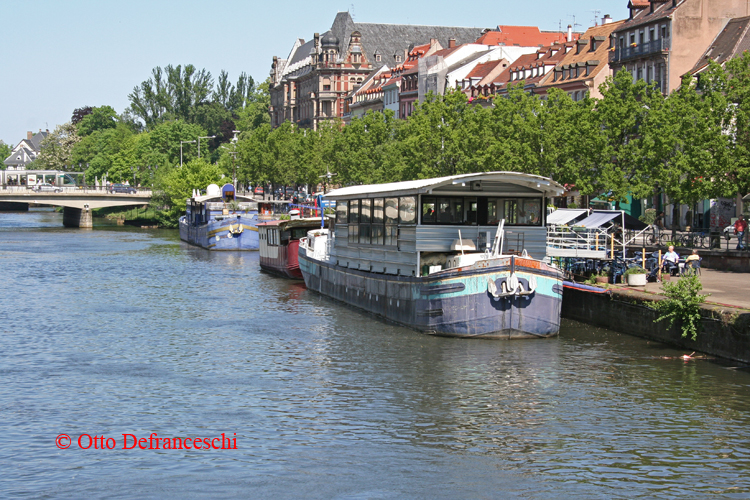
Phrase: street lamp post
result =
(199, 142)
(234, 165)
(181, 143)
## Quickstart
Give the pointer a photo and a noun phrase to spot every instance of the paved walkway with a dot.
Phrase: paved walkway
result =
(725, 287)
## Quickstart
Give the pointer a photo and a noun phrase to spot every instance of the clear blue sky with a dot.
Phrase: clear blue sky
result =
(59, 56)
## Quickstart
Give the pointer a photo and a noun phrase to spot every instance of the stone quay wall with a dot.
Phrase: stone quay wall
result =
(725, 331)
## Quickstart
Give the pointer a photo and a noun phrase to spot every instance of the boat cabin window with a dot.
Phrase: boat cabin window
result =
(273, 236)
(375, 221)
(482, 211)
(353, 211)
(342, 213)
(364, 211)
(299, 233)
(406, 212)
(391, 210)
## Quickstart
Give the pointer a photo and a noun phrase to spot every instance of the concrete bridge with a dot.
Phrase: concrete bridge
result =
(77, 202)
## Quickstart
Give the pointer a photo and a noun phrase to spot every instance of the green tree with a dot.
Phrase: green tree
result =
(735, 82)
(164, 140)
(255, 111)
(100, 118)
(627, 120)
(252, 155)
(692, 147)
(5, 150)
(434, 138)
(96, 151)
(171, 93)
(363, 151)
(177, 185)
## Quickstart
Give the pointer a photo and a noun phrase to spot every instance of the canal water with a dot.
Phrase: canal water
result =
(121, 331)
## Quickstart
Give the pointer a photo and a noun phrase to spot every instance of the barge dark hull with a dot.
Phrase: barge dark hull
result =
(449, 303)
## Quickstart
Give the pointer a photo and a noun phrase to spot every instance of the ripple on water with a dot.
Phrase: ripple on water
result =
(116, 331)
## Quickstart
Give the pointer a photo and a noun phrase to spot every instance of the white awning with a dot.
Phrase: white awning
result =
(598, 218)
(565, 215)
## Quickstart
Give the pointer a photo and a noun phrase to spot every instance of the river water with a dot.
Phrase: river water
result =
(121, 331)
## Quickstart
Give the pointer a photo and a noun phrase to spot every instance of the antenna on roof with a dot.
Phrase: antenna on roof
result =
(596, 17)
(574, 21)
(351, 10)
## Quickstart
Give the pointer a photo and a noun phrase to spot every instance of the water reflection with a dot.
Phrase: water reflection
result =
(118, 330)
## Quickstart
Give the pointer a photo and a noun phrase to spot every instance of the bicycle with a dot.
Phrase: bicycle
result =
(658, 237)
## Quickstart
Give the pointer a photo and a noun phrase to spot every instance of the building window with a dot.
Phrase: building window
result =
(398, 58)
(377, 57)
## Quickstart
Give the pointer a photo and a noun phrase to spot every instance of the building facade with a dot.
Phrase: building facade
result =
(663, 39)
(311, 85)
(25, 151)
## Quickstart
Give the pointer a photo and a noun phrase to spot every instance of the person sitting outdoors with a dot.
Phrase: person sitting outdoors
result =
(693, 261)
(671, 260)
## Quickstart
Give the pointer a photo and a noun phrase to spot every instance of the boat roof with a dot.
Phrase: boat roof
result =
(489, 182)
(292, 223)
(218, 197)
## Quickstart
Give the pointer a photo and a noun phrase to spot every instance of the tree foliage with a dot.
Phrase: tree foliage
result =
(177, 184)
(79, 113)
(5, 150)
(57, 148)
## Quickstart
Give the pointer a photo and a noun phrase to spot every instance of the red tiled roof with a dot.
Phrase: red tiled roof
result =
(522, 36)
(445, 52)
(528, 61)
(483, 69)
(662, 9)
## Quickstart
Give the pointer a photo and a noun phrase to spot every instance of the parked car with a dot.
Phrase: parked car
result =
(46, 187)
(258, 190)
(122, 188)
(290, 192)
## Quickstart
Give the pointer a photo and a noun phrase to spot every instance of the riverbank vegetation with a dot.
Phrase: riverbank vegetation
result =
(693, 144)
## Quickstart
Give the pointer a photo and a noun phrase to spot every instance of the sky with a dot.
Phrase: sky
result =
(59, 56)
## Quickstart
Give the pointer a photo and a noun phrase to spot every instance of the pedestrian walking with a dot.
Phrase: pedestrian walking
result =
(740, 227)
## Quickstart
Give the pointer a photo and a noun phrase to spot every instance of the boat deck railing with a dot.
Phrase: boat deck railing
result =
(577, 242)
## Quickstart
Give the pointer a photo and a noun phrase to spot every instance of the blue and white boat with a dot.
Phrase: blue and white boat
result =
(221, 220)
(460, 256)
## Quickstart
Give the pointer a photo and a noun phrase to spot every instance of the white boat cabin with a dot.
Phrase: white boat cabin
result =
(412, 228)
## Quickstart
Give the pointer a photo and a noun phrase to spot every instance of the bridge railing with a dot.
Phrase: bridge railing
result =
(70, 189)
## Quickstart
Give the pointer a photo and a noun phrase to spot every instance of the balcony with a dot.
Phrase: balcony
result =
(622, 54)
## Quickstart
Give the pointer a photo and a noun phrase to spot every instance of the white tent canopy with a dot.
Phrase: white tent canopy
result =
(565, 215)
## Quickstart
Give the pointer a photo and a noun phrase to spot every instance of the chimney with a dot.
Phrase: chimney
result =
(29, 135)
(570, 33)
(651, 3)
(607, 19)
(451, 43)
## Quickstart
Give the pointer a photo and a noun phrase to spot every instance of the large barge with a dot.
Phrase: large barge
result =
(456, 256)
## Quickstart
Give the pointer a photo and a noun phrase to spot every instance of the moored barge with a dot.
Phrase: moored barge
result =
(456, 256)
